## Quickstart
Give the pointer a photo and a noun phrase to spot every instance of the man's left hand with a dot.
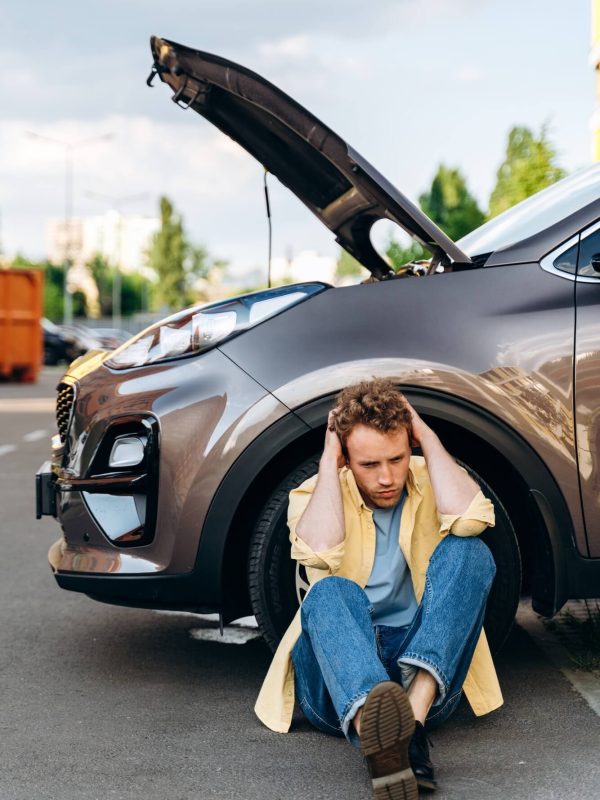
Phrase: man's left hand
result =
(420, 429)
(453, 488)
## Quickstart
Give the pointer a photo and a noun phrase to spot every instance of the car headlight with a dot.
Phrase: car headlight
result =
(199, 328)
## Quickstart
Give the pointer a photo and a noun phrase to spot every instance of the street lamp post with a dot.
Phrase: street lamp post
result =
(117, 202)
(69, 148)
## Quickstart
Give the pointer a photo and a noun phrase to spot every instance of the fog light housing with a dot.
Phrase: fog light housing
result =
(121, 518)
(127, 451)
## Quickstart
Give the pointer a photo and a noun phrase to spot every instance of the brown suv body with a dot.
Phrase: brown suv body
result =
(499, 352)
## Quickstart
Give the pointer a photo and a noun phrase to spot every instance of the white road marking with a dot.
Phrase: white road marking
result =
(231, 635)
(206, 617)
(27, 404)
(585, 683)
(243, 630)
(242, 622)
(35, 436)
(7, 448)
(246, 622)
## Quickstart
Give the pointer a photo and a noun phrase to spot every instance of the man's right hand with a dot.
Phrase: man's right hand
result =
(322, 525)
(333, 447)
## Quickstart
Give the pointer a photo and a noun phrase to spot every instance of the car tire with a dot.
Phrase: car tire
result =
(505, 593)
(276, 583)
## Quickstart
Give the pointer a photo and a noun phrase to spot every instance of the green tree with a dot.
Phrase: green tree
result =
(529, 165)
(175, 260)
(54, 278)
(400, 256)
(80, 306)
(450, 204)
(102, 275)
(134, 287)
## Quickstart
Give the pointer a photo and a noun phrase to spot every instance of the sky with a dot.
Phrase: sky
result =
(409, 84)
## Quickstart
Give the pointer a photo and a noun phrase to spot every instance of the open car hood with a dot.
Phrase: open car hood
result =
(336, 183)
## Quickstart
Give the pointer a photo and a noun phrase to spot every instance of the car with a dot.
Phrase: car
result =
(176, 452)
(85, 339)
(110, 338)
(59, 345)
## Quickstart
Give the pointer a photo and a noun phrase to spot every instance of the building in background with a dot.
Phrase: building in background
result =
(595, 62)
(64, 245)
(122, 240)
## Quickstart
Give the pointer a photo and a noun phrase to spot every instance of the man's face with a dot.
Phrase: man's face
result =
(379, 462)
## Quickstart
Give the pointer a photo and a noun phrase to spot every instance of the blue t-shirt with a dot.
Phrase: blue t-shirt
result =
(389, 589)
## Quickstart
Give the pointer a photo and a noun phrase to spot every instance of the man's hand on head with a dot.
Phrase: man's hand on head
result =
(322, 526)
(453, 488)
(332, 451)
(420, 429)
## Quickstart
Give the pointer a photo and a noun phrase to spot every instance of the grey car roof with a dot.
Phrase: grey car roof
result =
(530, 229)
(536, 247)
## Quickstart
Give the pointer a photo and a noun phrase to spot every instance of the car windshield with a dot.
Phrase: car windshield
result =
(535, 214)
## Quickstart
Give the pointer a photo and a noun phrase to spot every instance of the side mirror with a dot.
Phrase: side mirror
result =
(596, 262)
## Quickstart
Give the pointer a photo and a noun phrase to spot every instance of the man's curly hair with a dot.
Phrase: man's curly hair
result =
(377, 404)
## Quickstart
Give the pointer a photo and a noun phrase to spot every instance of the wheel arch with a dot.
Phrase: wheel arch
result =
(516, 472)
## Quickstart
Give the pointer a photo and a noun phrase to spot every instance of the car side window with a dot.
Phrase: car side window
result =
(589, 247)
(567, 260)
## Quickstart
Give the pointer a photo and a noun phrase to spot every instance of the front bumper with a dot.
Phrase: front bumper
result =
(205, 412)
(109, 586)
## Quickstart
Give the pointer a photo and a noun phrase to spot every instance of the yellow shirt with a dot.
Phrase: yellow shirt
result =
(421, 529)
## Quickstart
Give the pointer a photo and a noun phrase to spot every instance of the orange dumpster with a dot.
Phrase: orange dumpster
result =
(21, 299)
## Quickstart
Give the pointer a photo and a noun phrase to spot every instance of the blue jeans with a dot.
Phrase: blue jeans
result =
(341, 655)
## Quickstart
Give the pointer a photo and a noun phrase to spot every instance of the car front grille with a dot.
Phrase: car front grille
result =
(64, 408)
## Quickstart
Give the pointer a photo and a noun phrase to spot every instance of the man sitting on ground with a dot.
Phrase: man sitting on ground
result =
(391, 629)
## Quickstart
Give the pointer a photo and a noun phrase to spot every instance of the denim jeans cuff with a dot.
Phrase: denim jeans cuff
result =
(346, 723)
(414, 661)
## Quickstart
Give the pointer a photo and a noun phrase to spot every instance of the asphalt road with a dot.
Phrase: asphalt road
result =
(105, 702)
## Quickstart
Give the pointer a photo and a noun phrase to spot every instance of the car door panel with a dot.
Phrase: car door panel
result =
(587, 382)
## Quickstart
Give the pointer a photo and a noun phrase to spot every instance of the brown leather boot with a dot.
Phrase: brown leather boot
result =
(386, 728)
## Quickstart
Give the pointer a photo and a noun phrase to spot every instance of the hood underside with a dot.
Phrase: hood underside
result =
(339, 186)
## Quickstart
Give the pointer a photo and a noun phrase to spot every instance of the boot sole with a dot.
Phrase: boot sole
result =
(426, 785)
(386, 727)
